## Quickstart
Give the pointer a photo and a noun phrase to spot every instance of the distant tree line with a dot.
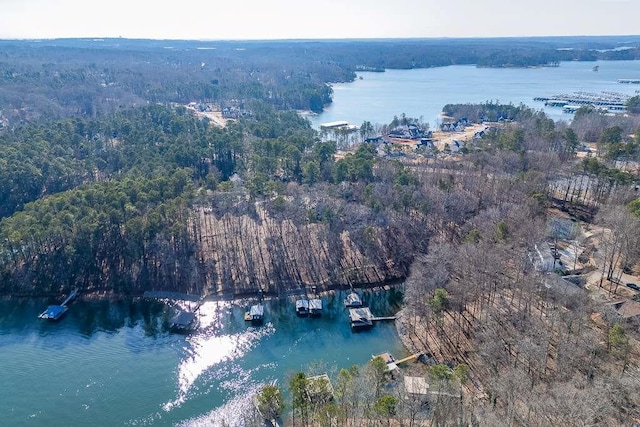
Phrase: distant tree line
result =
(73, 77)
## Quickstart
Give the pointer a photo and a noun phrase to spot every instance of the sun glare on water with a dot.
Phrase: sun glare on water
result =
(207, 351)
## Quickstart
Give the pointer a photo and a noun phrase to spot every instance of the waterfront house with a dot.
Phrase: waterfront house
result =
(409, 132)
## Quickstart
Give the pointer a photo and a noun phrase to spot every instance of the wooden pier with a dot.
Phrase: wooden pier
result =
(382, 318)
(408, 358)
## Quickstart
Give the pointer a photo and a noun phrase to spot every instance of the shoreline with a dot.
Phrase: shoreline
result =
(401, 324)
(224, 296)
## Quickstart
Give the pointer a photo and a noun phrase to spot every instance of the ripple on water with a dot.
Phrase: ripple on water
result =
(237, 412)
(205, 350)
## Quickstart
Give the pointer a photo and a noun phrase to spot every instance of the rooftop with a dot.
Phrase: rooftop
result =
(416, 385)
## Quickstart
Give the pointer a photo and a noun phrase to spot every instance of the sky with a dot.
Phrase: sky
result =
(300, 19)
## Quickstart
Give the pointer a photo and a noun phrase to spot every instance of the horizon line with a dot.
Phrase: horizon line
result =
(320, 39)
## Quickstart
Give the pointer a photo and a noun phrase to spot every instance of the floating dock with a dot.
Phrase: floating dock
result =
(255, 315)
(352, 300)
(55, 312)
(183, 321)
(315, 307)
(360, 318)
(302, 307)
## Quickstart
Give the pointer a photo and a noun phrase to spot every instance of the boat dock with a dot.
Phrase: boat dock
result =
(302, 307)
(185, 317)
(255, 314)
(611, 101)
(55, 312)
(388, 359)
(315, 303)
(629, 81)
(315, 307)
(352, 300)
(183, 320)
(362, 318)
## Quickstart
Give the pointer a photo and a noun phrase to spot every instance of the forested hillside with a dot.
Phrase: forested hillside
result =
(508, 340)
(142, 199)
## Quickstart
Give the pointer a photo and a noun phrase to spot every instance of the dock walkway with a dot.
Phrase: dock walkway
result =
(381, 318)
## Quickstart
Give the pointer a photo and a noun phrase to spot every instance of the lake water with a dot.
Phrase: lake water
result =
(107, 364)
(377, 97)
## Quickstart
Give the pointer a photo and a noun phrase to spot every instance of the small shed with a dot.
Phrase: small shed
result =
(416, 386)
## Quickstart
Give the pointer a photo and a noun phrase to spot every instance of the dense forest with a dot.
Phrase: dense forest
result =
(108, 183)
(137, 200)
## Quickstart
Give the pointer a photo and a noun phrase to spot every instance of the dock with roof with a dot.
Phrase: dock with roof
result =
(55, 312)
